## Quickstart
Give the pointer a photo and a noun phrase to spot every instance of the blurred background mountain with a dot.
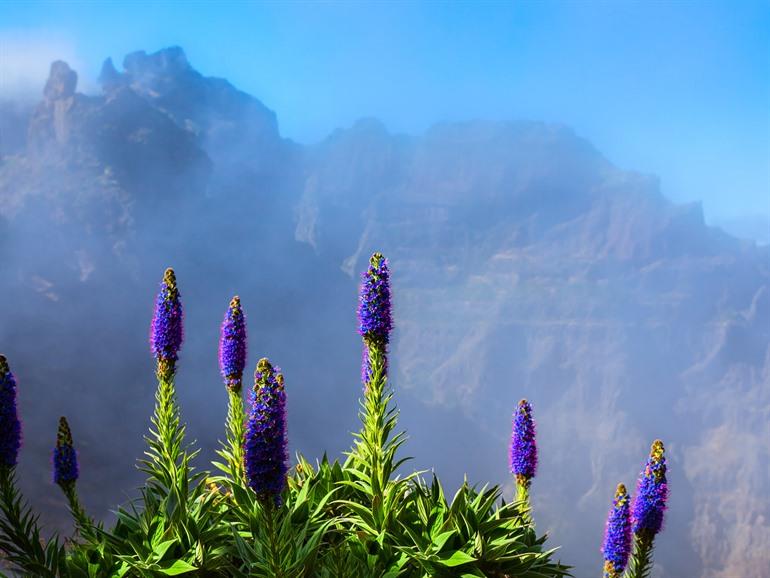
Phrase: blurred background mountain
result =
(525, 265)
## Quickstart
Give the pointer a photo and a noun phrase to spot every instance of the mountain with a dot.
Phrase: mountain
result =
(530, 267)
(524, 263)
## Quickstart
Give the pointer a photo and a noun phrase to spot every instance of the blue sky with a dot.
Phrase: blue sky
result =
(678, 89)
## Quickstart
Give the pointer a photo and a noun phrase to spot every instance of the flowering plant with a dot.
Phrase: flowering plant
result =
(259, 516)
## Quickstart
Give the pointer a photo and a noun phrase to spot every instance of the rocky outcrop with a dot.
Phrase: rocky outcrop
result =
(51, 123)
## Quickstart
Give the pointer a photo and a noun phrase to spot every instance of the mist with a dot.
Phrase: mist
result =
(525, 264)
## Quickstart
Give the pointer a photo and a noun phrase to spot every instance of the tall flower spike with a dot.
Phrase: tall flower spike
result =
(651, 494)
(232, 346)
(617, 535)
(265, 452)
(65, 460)
(523, 451)
(166, 330)
(10, 426)
(374, 311)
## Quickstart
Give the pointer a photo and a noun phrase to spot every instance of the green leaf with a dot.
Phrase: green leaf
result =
(178, 567)
(458, 558)
(161, 549)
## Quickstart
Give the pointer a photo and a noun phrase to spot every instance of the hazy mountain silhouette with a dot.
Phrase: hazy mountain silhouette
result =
(524, 263)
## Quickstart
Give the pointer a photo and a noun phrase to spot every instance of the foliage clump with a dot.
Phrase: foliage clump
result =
(257, 516)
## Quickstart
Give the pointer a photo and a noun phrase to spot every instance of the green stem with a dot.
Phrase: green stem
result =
(166, 440)
(268, 509)
(84, 524)
(374, 433)
(522, 496)
(168, 466)
(522, 493)
(640, 565)
(236, 417)
(373, 460)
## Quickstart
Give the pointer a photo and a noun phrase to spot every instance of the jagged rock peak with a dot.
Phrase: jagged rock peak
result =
(169, 60)
(62, 81)
(109, 77)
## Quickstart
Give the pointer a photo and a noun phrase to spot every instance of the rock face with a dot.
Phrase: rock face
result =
(525, 265)
(229, 124)
(528, 266)
(52, 118)
(62, 82)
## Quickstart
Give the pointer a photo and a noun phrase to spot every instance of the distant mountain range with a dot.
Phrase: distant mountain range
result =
(524, 263)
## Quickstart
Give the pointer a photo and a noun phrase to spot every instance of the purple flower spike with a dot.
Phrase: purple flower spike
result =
(10, 426)
(232, 346)
(65, 460)
(266, 458)
(374, 311)
(523, 453)
(166, 330)
(651, 494)
(374, 315)
(617, 535)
